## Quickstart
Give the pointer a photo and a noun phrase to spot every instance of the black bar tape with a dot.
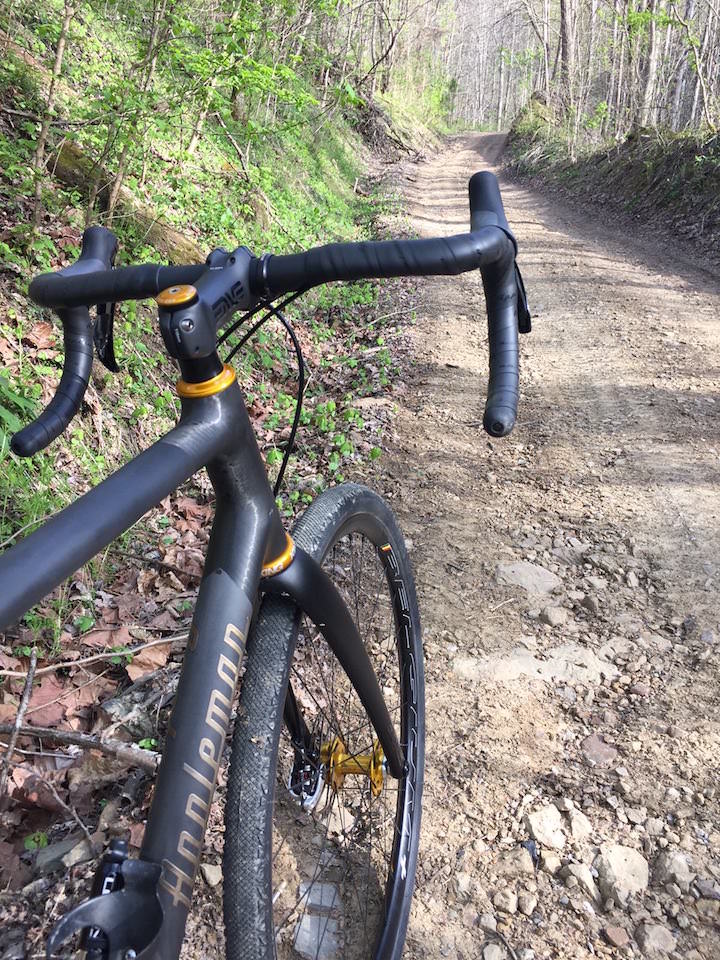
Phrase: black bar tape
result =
(486, 206)
(77, 327)
(504, 382)
(99, 245)
(384, 258)
(110, 286)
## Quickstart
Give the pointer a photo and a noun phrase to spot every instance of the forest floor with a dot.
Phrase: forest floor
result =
(568, 580)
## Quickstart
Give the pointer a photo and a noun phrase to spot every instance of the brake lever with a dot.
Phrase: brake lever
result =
(523, 310)
(103, 336)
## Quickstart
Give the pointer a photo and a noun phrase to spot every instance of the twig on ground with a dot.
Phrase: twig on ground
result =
(36, 753)
(395, 313)
(108, 655)
(504, 602)
(128, 753)
(14, 729)
(66, 806)
(157, 563)
(502, 938)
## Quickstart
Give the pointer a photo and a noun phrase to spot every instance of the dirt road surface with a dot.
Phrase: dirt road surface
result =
(568, 581)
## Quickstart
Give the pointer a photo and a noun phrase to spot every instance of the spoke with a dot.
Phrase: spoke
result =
(333, 724)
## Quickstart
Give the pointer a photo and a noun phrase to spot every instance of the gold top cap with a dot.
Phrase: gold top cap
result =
(177, 296)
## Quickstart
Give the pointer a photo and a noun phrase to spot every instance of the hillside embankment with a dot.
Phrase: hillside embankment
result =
(665, 184)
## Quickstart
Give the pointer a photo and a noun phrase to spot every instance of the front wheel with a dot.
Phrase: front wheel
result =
(321, 842)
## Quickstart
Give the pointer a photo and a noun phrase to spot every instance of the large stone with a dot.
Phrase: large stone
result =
(318, 938)
(654, 826)
(515, 863)
(505, 901)
(553, 616)
(622, 872)
(654, 940)
(550, 862)
(616, 936)
(597, 752)
(531, 577)
(80, 853)
(709, 909)
(584, 877)
(527, 903)
(493, 951)
(580, 826)
(320, 897)
(673, 867)
(591, 604)
(462, 887)
(212, 873)
(50, 858)
(708, 889)
(567, 663)
(545, 825)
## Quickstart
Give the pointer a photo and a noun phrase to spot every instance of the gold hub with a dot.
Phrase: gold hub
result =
(340, 764)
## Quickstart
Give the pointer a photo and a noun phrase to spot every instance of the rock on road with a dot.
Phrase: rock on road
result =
(598, 696)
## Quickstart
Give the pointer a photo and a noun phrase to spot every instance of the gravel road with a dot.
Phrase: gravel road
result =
(568, 581)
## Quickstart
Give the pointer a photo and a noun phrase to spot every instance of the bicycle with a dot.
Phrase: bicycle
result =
(326, 770)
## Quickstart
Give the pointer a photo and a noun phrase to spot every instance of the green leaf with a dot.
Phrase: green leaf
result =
(35, 841)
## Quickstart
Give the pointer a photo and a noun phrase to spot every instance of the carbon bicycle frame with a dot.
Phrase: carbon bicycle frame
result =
(146, 918)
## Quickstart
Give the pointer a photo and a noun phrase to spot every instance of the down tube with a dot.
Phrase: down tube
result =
(193, 751)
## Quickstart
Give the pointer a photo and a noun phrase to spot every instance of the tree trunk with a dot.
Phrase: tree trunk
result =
(39, 156)
(566, 55)
(621, 73)
(546, 47)
(502, 93)
(202, 116)
(654, 6)
(700, 80)
(613, 69)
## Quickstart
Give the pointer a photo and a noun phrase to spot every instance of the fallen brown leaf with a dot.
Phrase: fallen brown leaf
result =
(42, 711)
(102, 638)
(42, 335)
(147, 661)
(137, 832)
(8, 711)
(9, 663)
(32, 791)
